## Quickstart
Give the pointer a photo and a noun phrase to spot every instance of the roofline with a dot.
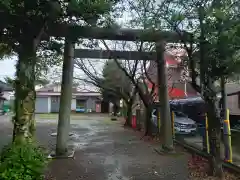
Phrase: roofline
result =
(3, 98)
(234, 93)
(8, 90)
(39, 93)
(73, 92)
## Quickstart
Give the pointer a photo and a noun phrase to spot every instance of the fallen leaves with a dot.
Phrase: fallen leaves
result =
(197, 165)
(198, 168)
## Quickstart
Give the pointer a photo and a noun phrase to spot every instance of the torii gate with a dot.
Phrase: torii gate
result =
(73, 32)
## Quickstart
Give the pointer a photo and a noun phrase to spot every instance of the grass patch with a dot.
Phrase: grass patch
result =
(47, 116)
(74, 116)
(108, 121)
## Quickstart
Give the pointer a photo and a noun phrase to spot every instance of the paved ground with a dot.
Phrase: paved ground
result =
(105, 151)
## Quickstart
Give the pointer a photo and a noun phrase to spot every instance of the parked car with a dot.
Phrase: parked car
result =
(193, 107)
(182, 124)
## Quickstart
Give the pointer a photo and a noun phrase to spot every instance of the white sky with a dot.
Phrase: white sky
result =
(7, 67)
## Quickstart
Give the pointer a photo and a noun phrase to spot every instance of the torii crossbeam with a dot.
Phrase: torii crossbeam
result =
(88, 32)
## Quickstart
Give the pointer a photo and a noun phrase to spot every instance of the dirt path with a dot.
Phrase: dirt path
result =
(107, 151)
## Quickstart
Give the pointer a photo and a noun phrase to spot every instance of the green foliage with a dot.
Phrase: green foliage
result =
(22, 162)
(9, 81)
(215, 27)
(90, 11)
(26, 18)
(117, 83)
(113, 75)
(5, 51)
(47, 57)
(23, 20)
(39, 81)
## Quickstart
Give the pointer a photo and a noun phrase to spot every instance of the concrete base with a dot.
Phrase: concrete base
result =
(69, 154)
(163, 152)
(114, 118)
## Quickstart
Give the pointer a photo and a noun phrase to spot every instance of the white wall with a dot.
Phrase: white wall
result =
(8, 95)
(49, 104)
(73, 104)
(42, 105)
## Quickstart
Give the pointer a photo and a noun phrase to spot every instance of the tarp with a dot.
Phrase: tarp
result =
(176, 93)
(172, 92)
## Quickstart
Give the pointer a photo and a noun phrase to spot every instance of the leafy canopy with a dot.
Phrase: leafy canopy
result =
(23, 20)
(114, 78)
(216, 30)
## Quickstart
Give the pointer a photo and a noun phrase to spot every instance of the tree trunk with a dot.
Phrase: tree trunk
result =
(129, 114)
(25, 93)
(65, 99)
(148, 124)
(215, 138)
(115, 109)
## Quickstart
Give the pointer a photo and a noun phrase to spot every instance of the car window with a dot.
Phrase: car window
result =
(179, 114)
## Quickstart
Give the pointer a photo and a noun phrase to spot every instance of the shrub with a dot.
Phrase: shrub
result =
(22, 162)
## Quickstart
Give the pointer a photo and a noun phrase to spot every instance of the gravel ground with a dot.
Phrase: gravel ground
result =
(104, 150)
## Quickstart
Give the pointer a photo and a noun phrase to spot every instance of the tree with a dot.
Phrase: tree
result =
(22, 27)
(112, 81)
(115, 78)
(5, 51)
(139, 18)
(9, 80)
(140, 13)
(215, 29)
(137, 75)
(1, 91)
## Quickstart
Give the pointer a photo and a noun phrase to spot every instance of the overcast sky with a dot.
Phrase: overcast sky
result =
(7, 67)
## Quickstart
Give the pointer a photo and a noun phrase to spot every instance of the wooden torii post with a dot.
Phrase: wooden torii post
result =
(73, 32)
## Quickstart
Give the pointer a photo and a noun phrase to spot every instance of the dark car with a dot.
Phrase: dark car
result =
(193, 107)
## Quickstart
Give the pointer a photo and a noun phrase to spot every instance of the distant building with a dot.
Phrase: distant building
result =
(7, 90)
(177, 87)
(233, 98)
(6, 95)
(48, 100)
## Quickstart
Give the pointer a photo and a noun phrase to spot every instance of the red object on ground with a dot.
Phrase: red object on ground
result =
(134, 122)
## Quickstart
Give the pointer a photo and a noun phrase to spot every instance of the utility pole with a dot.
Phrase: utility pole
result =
(65, 99)
(226, 123)
(166, 125)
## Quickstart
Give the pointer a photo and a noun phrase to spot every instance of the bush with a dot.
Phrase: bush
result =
(22, 162)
